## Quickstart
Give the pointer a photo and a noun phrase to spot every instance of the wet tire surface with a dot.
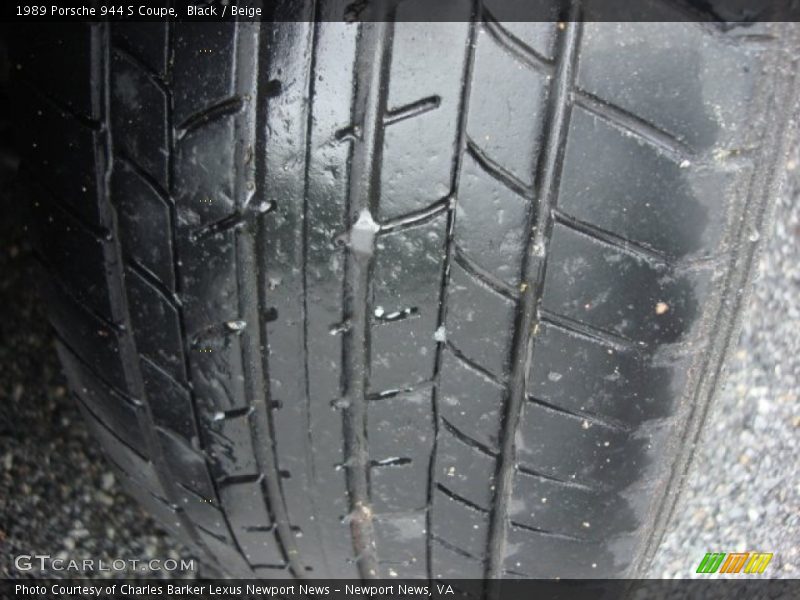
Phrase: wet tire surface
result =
(317, 338)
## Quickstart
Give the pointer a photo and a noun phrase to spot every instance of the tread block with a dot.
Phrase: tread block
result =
(552, 506)
(415, 44)
(464, 470)
(135, 98)
(204, 69)
(204, 512)
(584, 375)
(271, 572)
(147, 41)
(709, 79)
(407, 276)
(52, 55)
(508, 134)
(230, 444)
(75, 255)
(144, 223)
(186, 464)
(124, 457)
(401, 543)
(247, 513)
(480, 322)
(170, 404)
(164, 514)
(460, 524)
(449, 564)
(210, 293)
(213, 359)
(119, 414)
(87, 336)
(675, 210)
(565, 558)
(228, 555)
(156, 325)
(604, 287)
(491, 223)
(408, 183)
(595, 452)
(63, 148)
(470, 400)
(205, 195)
(400, 428)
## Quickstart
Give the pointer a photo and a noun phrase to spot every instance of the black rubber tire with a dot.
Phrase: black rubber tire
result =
(409, 300)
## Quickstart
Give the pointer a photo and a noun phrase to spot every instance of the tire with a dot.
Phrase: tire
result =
(395, 299)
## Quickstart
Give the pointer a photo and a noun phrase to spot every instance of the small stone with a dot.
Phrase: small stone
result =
(237, 325)
(107, 481)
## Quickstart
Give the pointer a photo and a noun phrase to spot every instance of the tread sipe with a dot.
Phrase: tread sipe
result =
(393, 299)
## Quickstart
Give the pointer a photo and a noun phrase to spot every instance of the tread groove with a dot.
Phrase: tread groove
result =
(179, 384)
(154, 282)
(463, 437)
(497, 171)
(548, 533)
(482, 275)
(453, 548)
(387, 394)
(111, 432)
(373, 60)
(227, 107)
(625, 245)
(409, 111)
(92, 370)
(547, 177)
(472, 364)
(417, 217)
(515, 46)
(232, 222)
(634, 124)
(229, 480)
(591, 418)
(578, 485)
(453, 496)
(306, 378)
(147, 178)
(590, 332)
(133, 58)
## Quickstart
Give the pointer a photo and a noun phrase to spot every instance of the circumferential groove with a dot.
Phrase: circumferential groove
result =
(534, 270)
(373, 60)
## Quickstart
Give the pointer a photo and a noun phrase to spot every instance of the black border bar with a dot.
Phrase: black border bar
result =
(398, 589)
(729, 14)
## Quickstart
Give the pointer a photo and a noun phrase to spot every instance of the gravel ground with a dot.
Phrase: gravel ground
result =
(58, 497)
(57, 494)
